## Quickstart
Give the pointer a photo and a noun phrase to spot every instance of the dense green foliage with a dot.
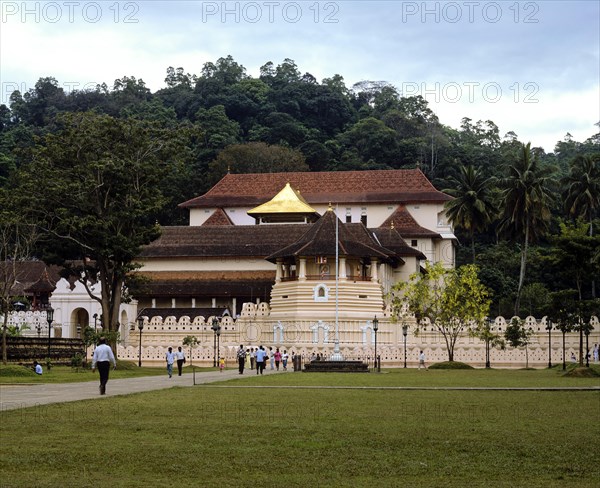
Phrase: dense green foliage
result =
(222, 119)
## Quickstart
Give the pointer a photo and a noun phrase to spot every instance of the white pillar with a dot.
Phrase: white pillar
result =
(342, 271)
(302, 270)
(374, 265)
(278, 271)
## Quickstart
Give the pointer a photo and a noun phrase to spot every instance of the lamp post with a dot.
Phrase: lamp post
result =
(140, 322)
(217, 330)
(50, 319)
(38, 327)
(549, 329)
(488, 328)
(587, 345)
(95, 321)
(375, 329)
(404, 333)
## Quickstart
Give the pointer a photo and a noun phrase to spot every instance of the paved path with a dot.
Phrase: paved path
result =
(13, 396)
(27, 395)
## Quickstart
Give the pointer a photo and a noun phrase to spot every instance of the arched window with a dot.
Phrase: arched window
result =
(321, 293)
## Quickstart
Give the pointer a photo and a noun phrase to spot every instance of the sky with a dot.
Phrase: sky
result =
(531, 67)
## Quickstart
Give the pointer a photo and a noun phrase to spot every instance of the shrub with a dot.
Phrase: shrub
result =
(450, 365)
(16, 371)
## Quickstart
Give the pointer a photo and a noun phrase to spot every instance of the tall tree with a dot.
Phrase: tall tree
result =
(527, 196)
(472, 208)
(101, 179)
(582, 192)
(450, 300)
(16, 243)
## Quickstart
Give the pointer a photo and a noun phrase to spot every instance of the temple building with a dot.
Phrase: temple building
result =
(274, 238)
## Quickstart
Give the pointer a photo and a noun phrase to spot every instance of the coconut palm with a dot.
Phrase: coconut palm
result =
(472, 208)
(582, 189)
(582, 192)
(527, 198)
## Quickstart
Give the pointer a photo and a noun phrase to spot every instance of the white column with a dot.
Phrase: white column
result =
(214, 303)
(342, 271)
(193, 303)
(173, 303)
(233, 307)
(278, 271)
(302, 270)
(374, 266)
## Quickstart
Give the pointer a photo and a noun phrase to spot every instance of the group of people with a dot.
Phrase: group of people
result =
(256, 358)
(173, 357)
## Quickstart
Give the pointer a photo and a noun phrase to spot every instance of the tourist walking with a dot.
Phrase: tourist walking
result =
(260, 360)
(284, 359)
(221, 364)
(252, 358)
(180, 360)
(103, 357)
(277, 358)
(170, 357)
(241, 357)
(422, 360)
(271, 358)
(596, 353)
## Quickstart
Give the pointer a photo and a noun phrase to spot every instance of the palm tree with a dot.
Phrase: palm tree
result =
(582, 192)
(527, 198)
(472, 208)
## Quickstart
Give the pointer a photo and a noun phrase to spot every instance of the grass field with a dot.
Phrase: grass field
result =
(289, 437)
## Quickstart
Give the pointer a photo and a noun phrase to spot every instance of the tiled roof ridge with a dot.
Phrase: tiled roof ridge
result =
(315, 187)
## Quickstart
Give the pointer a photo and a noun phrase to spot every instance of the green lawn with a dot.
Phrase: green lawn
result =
(221, 437)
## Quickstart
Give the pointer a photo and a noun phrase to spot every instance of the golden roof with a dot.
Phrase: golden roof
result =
(287, 201)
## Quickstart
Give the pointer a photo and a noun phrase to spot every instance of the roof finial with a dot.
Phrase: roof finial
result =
(228, 169)
(392, 226)
(330, 209)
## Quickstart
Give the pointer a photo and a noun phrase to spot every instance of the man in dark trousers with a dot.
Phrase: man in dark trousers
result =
(103, 357)
(241, 357)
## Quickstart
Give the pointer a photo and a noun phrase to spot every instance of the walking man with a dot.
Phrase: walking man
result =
(103, 357)
(422, 360)
(180, 360)
(260, 360)
(170, 357)
(241, 357)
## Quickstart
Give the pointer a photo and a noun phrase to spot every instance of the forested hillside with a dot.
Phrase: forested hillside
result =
(526, 217)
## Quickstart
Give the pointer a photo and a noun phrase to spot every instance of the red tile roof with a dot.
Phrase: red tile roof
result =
(404, 222)
(378, 186)
(218, 217)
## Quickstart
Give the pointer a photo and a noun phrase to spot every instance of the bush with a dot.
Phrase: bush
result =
(582, 372)
(16, 371)
(450, 365)
(126, 365)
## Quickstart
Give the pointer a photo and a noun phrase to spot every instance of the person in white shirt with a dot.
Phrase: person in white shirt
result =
(180, 360)
(422, 360)
(103, 357)
(37, 367)
(170, 357)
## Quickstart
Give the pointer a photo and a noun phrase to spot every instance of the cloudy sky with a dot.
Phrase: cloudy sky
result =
(531, 67)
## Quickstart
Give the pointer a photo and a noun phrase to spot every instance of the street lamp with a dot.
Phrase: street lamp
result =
(549, 329)
(95, 321)
(404, 333)
(375, 329)
(50, 319)
(488, 328)
(140, 322)
(217, 330)
(39, 329)
(587, 345)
